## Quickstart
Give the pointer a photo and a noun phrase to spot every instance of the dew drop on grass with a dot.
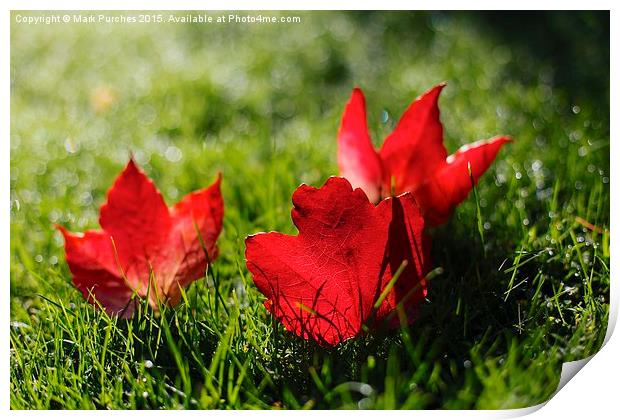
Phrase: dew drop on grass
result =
(173, 154)
(70, 145)
(385, 117)
(54, 216)
(142, 157)
(86, 199)
(570, 290)
(575, 136)
(364, 403)
(583, 150)
(518, 175)
(145, 394)
(173, 193)
(148, 364)
(365, 389)
(17, 325)
(526, 222)
(467, 364)
(38, 258)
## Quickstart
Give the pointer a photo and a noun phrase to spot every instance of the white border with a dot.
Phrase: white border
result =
(592, 393)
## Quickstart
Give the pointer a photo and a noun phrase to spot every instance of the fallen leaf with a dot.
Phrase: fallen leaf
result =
(327, 282)
(144, 248)
(413, 158)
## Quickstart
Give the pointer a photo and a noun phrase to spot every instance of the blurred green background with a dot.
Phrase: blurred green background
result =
(262, 104)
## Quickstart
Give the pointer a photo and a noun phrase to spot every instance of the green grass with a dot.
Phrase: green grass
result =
(525, 284)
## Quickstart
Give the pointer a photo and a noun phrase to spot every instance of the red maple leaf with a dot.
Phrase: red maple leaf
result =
(145, 248)
(334, 276)
(413, 158)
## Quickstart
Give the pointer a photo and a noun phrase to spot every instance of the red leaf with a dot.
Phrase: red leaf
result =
(415, 148)
(357, 159)
(143, 241)
(451, 184)
(413, 158)
(323, 283)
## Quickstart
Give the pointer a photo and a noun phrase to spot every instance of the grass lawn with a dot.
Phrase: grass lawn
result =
(262, 103)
